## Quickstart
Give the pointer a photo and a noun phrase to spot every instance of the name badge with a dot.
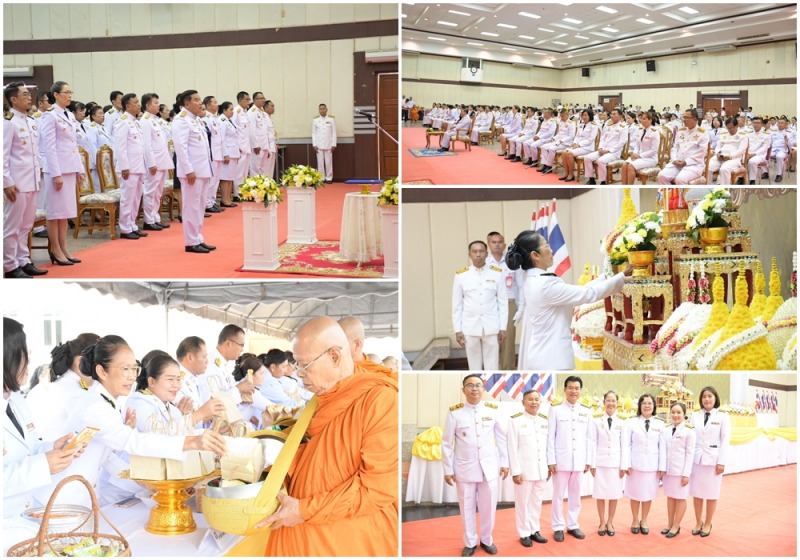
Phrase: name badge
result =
(487, 418)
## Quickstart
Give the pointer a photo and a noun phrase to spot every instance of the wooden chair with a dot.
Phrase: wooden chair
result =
(765, 165)
(109, 184)
(616, 164)
(89, 200)
(579, 159)
(487, 135)
(467, 140)
(704, 179)
(39, 221)
(647, 173)
(742, 173)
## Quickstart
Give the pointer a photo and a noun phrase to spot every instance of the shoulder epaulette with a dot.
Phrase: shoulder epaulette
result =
(495, 268)
(218, 362)
(93, 124)
(222, 118)
(690, 426)
(682, 128)
(238, 109)
(490, 404)
(742, 133)
(183, 114)
(37, 114)
(701, 129)
(541, 415)
(50, 108)
(8, 117)
(456, 406)
(124, 117)
(585, 405)
(254, 108)
(147, 115)
(517, 415)
(111, 111)
(462, 270)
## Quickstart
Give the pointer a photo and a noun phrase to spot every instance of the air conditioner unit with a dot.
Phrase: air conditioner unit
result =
(719, 48)
(407, 52)
(521, 65)
(18, 72)
(473, 74)
(373, 57)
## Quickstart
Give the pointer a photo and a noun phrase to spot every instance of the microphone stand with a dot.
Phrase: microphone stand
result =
(378, 126)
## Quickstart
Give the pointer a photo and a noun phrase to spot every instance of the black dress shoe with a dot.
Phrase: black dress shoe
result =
(468, 550)
(665, 531)
(740, 181)
(140, 233)
(577, 533)
(131, 235)
(209, 247)
(196, 249)
(526, 542)
(602, 182)
(705, 533)
(591, 181)
(779, 178)
(611, 532)
(204, 215)
(559, 536)
(671, 535)
(534, 163)
(213, 210)
(752, 182)
(489, 549)
(217, 206)
(41, 234)
(231, 205)
(163, 226)
(502, 154)
(31, 270)
(645, 530)
(152, 227)
(547, 170)
(635, 530)
(236, 199)
(538, 538)
(764, 175)
(16, 273)
(54, 260)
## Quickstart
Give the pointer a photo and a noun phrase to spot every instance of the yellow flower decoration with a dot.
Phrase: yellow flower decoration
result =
(719, 309)
(628, 211)
(759, 298)
(774, 300)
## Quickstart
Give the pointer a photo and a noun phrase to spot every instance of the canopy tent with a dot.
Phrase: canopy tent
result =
(272, 308)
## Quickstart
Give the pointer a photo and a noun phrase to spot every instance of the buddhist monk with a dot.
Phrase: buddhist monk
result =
(342, 495)
(354, 330)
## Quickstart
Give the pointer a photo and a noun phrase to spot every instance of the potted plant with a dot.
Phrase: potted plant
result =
(706, 224)
(635, 242)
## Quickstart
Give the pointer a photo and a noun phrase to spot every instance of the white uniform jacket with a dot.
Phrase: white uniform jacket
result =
(759, 143)
(242, 124)
(568, 436)
(156, 150)
(323, 133)
(678, 450)
(219, 377)
(586, 136)
(642, 449)
(690, 146)
(546, 342)
(647, 146)
(605, 444)
(230, 138)
(473, 443)
(20, 154)
(480, 303)
(527, 446)
(59, 144)
(130, 145)
(152, 415)
(191, 146)
(713, 438)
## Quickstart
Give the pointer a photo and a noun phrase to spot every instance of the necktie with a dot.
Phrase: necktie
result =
(643, 133)
(14, 420)
(647, 425)
(609, 422)
(706, 420)
(673, 430)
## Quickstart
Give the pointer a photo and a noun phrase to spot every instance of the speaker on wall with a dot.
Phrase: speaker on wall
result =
(585, 72)
(651, 65)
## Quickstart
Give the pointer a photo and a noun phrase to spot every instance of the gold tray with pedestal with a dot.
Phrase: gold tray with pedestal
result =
(639, 291)
(171, 515)
(620, 354)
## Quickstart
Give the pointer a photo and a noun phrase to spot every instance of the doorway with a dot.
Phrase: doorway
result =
(609, 102)
(388, 152)
(731, 102)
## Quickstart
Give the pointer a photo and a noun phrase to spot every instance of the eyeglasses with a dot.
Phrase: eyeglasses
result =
(473, 386)
(130, 371)
(67, 92)
(240, 344)
(302, 370)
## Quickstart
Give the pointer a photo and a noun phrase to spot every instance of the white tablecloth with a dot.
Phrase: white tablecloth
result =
(768, 420)
(761, 453)
(360, 238)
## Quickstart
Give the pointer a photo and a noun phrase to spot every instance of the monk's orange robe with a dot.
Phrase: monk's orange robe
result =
(346, 475)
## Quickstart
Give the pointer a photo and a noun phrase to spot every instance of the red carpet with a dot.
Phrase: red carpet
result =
(481, 166)
(161, 254)
(756, 516)
(322, 259)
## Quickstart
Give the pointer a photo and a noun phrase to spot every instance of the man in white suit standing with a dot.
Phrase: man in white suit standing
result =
(323, 138)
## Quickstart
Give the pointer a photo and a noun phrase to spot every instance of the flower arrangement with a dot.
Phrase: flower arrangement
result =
(302, 177)
(708, 213)
(261, 188)
(389, 193)
(637, 234)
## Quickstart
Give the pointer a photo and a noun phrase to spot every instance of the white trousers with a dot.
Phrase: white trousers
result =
(325, 164)
(483, 352)
(258, 162)
(193, 209)
(682, 176)
(242, 172)
(130, 199)
(484, 496)
(269, 164)
(531, 148)
(447, 137)
(780, 155)
(515, 144)
(569, 481)
(18, 217)
(725, 168)
(549, 152)
(153, 189)
(528, 506)
(752, 167)
(213, 184)
(602, 162)
(476, 131)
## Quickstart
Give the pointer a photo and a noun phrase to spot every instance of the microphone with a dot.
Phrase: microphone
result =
(370, 116)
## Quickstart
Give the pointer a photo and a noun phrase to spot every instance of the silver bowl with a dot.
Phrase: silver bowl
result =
(233, 492)
(64, 518)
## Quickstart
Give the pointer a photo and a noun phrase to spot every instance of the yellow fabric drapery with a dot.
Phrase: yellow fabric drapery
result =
(428, 444)
(740, 436)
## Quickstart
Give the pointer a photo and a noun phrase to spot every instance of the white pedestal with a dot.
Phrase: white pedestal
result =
(302, 215)
(389, 233)
(260, 236)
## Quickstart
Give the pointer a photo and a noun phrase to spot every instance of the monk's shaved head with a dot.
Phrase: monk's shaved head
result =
(391, 363)
(354, 329)
(320, 348)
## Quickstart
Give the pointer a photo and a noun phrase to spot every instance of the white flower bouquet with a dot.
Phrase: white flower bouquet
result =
(302, 177)
(637, 234)
(708, 212)
(260, 188)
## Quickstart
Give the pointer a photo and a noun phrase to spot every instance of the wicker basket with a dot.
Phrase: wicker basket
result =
(57, 542)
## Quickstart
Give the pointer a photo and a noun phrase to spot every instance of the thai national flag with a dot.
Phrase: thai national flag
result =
(764, 401)
(758, 402)
(514, 384)
(495, 383)
(534, 221)
(775, 402)
(561, 262)
(544, 219)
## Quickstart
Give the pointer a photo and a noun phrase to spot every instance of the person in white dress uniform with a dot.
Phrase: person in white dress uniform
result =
(644, 152)
(474, 457)
(156, 155)
(99, 138)
(231, 153)
(518, 138)
(527, 460)
(511, 279)
(605, 444)
(28, 462)
(222, 359)
(219, 156)
(783, 140)
(612, 141)
(51, 403)
(113, 114)
(130, 159)
(193, 361)
(257, 125)
(21, 183)
(676, 467)
(323, 138)
(113, 365)
(254, 403)
(241, 120)
(561, 140)
(642, 448)
(584, 143)
(568, 456)
(272, 389)
(480, 309)
(193, 168)
(713, 431)
(688, 155)
(62, 168)
(548, 302)
(759, 144)
(729, 154)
